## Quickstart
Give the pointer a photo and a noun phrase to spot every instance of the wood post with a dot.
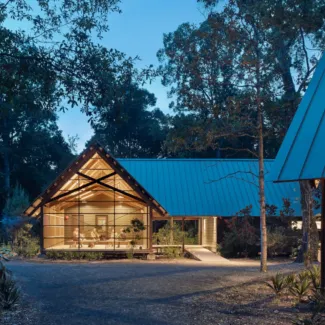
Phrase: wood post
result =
(183, 246)
(216, 234)
(322, 265)
(150, 228)
(200, 230)
(42, 230)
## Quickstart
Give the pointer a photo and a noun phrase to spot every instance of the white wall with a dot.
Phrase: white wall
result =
(209, 232)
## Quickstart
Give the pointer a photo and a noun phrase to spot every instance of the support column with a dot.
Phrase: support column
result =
(203, 231)
(200, 230)
(42, 230)
(216, 232)
(150, 228)
(172, 230)
(183, 246)
(322, 266)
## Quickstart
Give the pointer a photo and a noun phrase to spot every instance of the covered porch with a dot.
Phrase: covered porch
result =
(203, 232)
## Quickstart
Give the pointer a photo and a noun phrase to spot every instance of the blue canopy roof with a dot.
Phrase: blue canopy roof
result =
(302, 154)
(208, 187)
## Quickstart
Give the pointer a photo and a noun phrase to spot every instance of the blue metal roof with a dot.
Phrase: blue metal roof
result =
(208, 187)
(302, 154)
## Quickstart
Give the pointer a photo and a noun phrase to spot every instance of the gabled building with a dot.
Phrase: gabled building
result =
(91, 204)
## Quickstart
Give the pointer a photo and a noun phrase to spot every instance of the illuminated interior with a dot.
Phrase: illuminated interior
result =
(93, 210)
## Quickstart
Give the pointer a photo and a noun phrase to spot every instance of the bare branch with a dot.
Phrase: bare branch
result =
(243, 149)
(52, 29)
(231, 174)
(303, 83)
(304, 48)
(4, 5)
(233, 135)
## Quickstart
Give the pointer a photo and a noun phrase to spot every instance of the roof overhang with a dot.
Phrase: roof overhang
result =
(302, 155)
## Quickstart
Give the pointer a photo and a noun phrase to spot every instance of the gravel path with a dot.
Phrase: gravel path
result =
(128, 292)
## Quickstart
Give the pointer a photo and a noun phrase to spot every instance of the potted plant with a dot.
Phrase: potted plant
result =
(135, 228)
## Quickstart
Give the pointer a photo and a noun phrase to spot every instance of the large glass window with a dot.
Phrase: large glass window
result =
(95, 210)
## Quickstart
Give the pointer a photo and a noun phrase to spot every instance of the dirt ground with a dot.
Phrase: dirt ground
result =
(143, 292)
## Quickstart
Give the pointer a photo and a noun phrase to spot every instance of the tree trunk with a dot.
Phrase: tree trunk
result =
(314, 240)
(284, 61)
(307, 211)
(263, 230)
(262, 191)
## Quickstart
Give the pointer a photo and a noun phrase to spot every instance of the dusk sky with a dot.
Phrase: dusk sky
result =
(138, 30)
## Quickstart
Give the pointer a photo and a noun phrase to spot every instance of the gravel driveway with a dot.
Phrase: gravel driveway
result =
(126, 292)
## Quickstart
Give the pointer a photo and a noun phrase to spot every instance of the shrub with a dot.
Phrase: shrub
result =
(189, 240)
(278, 284)
(5, 253)
(31, 248)
(9, 292)
(53, 255)
(241, 237)
(290, 279)
(25, 243)
(276, 241)
(303, 275)
(168, 235)
(318, 306)
(67, 255)
(300, 288)
(135, 228)
(92, 256)
(172, 252)
(174, 235)
(60, 255)
(314, 276)
(318, 301)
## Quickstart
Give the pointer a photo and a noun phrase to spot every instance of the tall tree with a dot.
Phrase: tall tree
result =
(198, 68)
(32, 149)
(132, 127)
(240, 66)
(294, 31)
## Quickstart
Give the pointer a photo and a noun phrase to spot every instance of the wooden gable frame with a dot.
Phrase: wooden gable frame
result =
(47, 196)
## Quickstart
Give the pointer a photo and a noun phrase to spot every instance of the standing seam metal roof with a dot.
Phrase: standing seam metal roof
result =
(208, 187)
(302, 154)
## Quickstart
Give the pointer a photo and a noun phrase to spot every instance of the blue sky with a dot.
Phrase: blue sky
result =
(138, 30)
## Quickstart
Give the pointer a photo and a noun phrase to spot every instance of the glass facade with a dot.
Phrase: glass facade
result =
(95, 210)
